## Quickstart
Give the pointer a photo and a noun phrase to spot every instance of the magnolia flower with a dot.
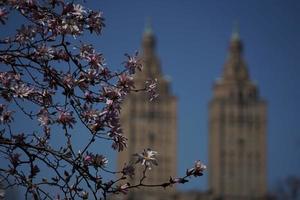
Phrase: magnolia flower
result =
(3, 15)
(69, 81)
(66, 118)
(72, 26)
(126, 82)
(43, 52)
(78, 10)
(95, 60)
(87, 159)
(22, 91)
(119, 142)
(6, 117)
(147, 158)
(90, 114)
(133, 63)
(85, 50)
(197, 170)
(25, 34)
(43, 117)
(151, 87)
(123, 188)
(128, 170)
(95, 22)
(6, 78)
(99, 161)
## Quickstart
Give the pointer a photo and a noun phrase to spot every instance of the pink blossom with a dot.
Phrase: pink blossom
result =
(85, 50)
(95, 60)
(6, 117)
(133, 63)
(120, 142)
(66, 118)
(95, 22)
(3, 15)
(25, 34)
(87, 159)
(128, 170)
(123, 188)
(22, 91)
(147, 158)
(151, 87)
(126, 82)
(78, 10)
(69, 81)
(197, 170)
(43, 117)
(72, 26)
(90, 114)
(44, 53)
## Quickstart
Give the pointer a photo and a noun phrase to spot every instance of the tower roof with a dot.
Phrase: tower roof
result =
(148, 39)
(235, 35)
(148, 27)
(235, 68)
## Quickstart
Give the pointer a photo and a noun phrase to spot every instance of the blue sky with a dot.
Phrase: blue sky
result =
(192, 43)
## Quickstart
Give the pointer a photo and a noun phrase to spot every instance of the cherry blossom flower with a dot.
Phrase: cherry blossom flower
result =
(147, 158)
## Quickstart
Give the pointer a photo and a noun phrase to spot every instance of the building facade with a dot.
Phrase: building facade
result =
(237, 132)
(150, 124)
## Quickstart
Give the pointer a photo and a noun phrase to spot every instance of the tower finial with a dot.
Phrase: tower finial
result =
(148, 27)
(235, 31)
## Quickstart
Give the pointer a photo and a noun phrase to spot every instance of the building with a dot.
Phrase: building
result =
(150, 124)
(237, 131)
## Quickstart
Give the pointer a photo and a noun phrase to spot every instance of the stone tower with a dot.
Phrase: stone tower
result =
(150, 124)
(237, 132)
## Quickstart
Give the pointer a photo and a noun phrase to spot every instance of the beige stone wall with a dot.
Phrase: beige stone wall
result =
(151, 125)
(237, 133)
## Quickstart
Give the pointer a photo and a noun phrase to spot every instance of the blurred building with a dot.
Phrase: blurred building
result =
(150, 124)
(237, 131)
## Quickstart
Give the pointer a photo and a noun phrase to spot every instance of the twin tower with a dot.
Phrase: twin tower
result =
(237, 131)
